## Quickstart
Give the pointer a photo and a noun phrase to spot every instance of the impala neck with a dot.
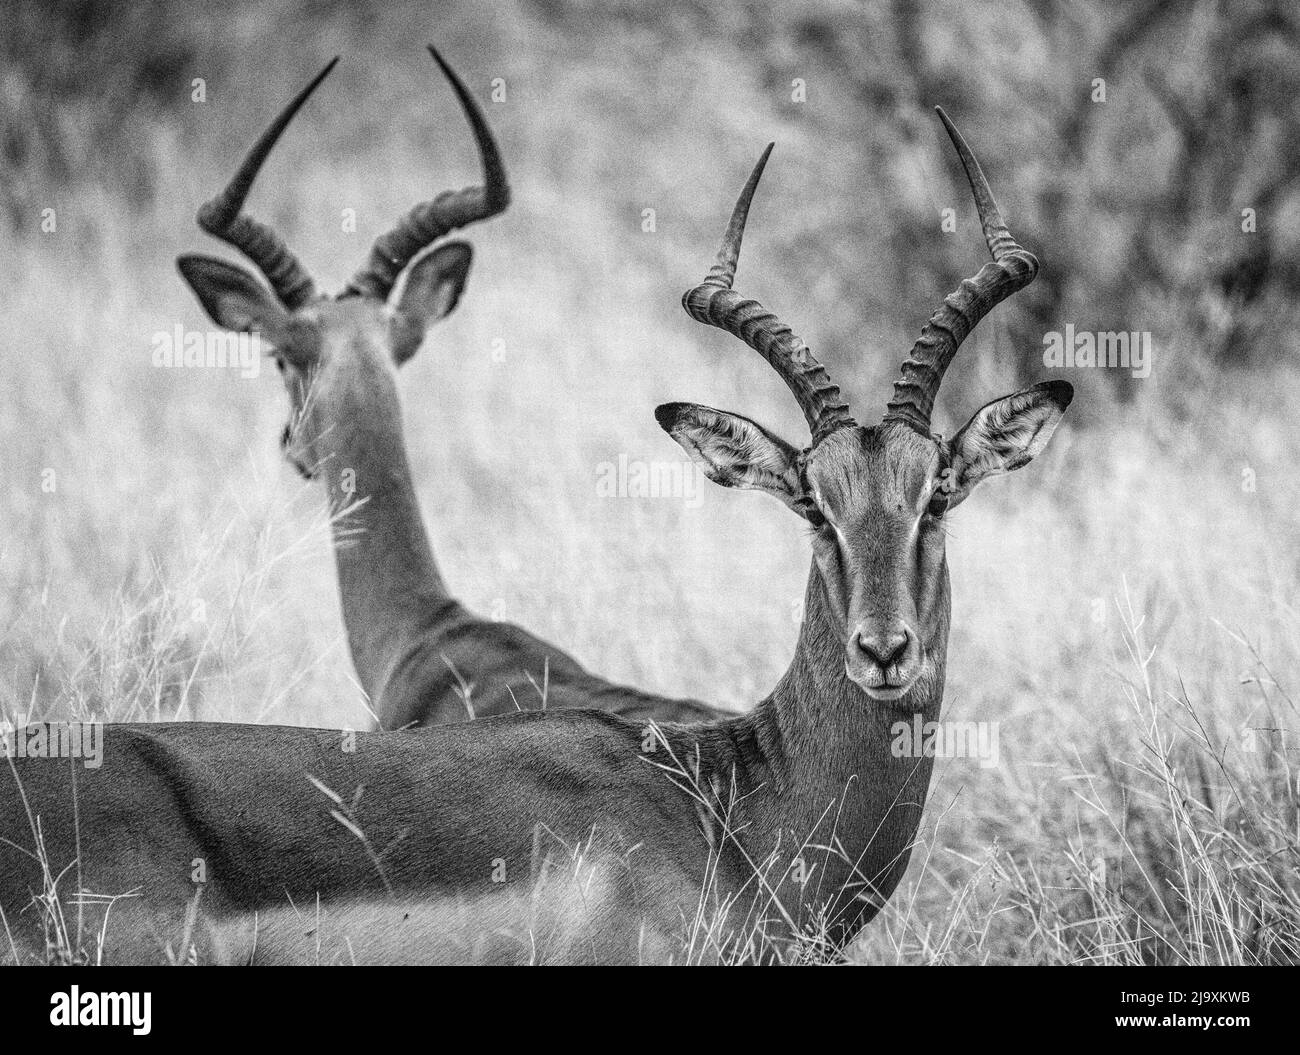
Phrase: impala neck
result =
(818, 754)
(387, 576)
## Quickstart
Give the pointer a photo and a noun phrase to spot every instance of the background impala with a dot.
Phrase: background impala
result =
(422, 658)
(158, 559)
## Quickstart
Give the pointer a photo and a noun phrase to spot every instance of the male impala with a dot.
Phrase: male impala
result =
(573, 835)
(411, 641)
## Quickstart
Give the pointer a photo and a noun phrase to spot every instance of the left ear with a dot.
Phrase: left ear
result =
(1004, 435)
(235, 300)
(734, 451)
(432, 289)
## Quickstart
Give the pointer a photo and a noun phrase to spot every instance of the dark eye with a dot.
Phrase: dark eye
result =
(938, 505)
(814, 516)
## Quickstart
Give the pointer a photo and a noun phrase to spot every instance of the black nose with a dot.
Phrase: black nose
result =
(885, 647)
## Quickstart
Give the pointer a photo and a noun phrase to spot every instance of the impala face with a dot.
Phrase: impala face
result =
(876, 499)
(337, 356)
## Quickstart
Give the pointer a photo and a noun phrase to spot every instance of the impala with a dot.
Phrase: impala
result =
(576, 835)
(416, 649)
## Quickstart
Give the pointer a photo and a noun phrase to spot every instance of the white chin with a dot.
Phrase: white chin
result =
(887, 694)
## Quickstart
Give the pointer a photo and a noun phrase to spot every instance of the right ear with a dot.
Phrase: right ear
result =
(734, 451)
(234, 299)
(430, 292)
(1004, 435)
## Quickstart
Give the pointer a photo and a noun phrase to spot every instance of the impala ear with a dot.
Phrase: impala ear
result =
(234, 299)
(1004, 435)
(734, 451)
(431, 291)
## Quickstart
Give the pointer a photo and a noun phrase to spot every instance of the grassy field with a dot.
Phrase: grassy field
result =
(1125, 608)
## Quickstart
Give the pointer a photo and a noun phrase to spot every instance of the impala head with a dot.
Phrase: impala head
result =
(331, 348)
(874, 496)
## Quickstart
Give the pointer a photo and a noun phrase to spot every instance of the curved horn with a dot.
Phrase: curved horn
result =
(715, 303)
(222, 216)
(430, 220)
(1013, 268)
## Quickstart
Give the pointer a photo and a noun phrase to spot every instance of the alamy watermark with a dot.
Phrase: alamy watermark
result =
(84, 740)
(208, 349)
(1085, 349)
(635, 478)
(921, 739)
(93, 1008)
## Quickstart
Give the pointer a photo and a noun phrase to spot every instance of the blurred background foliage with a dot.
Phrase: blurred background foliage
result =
(179, 569)
(1134, 204)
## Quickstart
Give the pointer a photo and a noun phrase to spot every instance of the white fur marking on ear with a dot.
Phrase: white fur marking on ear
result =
(1003, 436)
(1008, 434)
(735, 452)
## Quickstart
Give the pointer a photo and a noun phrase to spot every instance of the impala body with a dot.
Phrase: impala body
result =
(566, 836)
(461, 823)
